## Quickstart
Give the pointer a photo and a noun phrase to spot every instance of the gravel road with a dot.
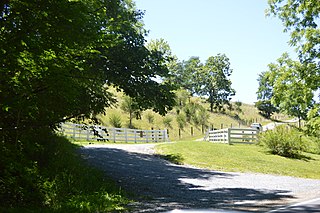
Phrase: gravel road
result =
(159, 186)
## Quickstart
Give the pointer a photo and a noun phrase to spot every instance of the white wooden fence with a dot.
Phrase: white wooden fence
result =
(102, 133)
(232, 135)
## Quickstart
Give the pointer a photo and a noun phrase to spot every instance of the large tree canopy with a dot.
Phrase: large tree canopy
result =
(57, 59)
(290, 93)
(214, 81)
(301, 19)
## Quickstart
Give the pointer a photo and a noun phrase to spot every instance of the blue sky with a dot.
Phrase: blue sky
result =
(205, 28)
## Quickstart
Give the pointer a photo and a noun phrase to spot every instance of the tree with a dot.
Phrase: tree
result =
(132, 107)
(185, 73)
(238, 105)
(265, 92)
(57, 59)
(301, 19)
(214, 82)
(289, 92)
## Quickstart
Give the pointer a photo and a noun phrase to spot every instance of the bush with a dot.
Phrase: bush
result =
(167, 122)
(181, 120)
(150, 117)
(282, 141)
(115, 120)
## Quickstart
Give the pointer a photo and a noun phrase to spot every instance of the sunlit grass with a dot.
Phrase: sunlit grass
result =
(242, 158)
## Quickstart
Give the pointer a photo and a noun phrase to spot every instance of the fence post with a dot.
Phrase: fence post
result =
(126, 135)
(192, 131)
(114, 135)
(87, 134)
(229, 133)
(74, 131)
(135, 135)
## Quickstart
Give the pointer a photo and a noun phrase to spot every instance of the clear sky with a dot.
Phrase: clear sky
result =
(204, 28)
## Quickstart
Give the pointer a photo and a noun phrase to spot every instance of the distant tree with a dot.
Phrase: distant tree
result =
(203, 117)
(266, 108)
(238, 105)
(265, 93)
(167, 121)
(150, 117)
(185, 73)
(181, 120)
(214, 81)
(182, 97)
(130, 106)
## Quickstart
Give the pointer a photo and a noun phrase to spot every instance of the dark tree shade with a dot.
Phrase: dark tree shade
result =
(57, 59)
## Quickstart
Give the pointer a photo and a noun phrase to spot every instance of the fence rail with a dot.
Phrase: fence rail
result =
(232, 135)
(102, 133)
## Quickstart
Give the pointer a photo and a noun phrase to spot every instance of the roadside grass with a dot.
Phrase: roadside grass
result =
(241, 158)
(66, 183)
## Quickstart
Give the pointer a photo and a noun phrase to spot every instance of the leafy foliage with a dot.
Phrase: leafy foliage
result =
(181, 120)
(48, 175)
(115, 120)
(282, 141)
(150, 117)
(289, 92)
(167, 121)
(214, 81)
(57, 60)
(266, 108)
(67, 53)
(301, 19)
(264, 93)
(132, 107)
(208, 80)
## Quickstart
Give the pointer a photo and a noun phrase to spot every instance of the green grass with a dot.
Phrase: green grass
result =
(241, 158)
(59, 181)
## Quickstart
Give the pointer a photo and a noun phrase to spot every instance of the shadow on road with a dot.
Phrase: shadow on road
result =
(161, 186)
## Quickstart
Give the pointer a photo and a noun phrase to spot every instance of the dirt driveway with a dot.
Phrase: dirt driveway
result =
(161, 186)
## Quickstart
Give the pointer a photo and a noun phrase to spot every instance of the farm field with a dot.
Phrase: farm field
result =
(241, 158)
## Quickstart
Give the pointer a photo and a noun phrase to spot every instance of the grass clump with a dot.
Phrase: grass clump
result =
(173, 158)
(46, 174)
(282, 141)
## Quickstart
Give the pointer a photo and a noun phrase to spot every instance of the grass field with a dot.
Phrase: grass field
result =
(241, 158)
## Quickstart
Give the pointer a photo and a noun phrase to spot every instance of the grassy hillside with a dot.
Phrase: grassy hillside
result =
(234, 118)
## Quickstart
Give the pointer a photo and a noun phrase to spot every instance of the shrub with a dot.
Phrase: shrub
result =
(167, 122)
(181, 120)
(115, 121)
(282, 141)
(150, 117)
